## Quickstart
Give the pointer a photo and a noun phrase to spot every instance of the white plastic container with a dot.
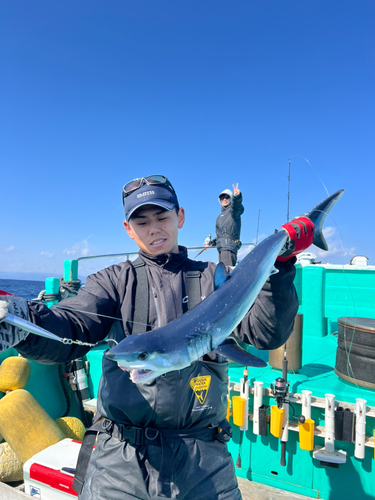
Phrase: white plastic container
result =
(44, 475)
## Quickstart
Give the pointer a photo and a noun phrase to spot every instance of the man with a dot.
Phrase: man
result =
(228, 226)
(153, 442)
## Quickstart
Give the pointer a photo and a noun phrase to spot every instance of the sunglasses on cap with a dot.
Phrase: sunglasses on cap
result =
(151, 180)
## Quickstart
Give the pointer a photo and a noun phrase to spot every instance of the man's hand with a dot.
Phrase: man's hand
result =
(301, 234)
(207, 241)
(236, 191)
(9, 334)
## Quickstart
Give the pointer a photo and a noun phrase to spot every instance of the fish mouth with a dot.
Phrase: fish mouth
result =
(138, 375)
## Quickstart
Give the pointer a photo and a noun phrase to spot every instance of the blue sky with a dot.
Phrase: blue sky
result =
(211, 93)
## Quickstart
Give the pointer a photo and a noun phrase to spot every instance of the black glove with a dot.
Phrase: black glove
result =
(10, 335)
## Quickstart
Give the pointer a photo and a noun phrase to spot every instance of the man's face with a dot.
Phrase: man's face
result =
(224, 200)
(155, 230)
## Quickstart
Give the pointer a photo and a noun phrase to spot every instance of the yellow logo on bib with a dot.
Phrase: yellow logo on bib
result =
(200, 387)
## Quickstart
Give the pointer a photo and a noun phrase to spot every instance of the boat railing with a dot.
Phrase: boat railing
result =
(57, 288)
(128, 255)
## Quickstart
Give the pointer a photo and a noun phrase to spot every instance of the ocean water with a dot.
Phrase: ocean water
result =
(26, 289)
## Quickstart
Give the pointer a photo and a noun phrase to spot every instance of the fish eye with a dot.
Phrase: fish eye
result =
(142, 356)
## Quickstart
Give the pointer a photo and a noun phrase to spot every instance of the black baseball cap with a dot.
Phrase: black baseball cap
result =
(159, 194)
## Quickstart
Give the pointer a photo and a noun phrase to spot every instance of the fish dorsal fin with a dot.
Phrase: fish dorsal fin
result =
(221, 275)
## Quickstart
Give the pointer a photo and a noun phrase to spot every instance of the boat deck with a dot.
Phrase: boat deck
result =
(257, 491)
(249, 490)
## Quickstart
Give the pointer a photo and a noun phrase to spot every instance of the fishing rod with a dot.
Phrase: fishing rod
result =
(280, 392)
(288, 196)
(244, 381)
(256, 239)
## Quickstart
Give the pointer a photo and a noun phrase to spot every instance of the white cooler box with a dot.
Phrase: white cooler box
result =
(44, 474)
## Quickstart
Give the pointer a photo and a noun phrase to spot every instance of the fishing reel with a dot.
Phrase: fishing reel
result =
(280, 392)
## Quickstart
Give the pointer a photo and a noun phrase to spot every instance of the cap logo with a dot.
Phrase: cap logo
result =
(146, 193)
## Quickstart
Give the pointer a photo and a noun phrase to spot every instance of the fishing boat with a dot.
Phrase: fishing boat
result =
(304, 424)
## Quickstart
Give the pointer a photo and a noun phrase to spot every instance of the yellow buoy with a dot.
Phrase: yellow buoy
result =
(14, 373)
(72, 427)
(11, 467)
(25, 425)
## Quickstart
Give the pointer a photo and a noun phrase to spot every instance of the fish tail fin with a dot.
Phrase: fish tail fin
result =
(319, 214)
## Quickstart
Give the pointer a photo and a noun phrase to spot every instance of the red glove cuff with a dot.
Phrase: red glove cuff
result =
(301, 234)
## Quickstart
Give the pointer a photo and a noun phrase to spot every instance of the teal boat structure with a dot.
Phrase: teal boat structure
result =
(305, 426)
(327, 294)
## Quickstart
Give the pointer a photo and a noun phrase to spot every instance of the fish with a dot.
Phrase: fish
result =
(207, 326)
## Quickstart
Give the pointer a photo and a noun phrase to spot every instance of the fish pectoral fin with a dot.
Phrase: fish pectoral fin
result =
(231, 350)
(221, 275)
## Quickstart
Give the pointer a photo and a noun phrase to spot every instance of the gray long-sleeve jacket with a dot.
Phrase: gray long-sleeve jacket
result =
(168, 401)
(228, 225)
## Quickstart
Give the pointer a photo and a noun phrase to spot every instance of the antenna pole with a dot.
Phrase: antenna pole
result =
(256, 239)
(287, 213)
